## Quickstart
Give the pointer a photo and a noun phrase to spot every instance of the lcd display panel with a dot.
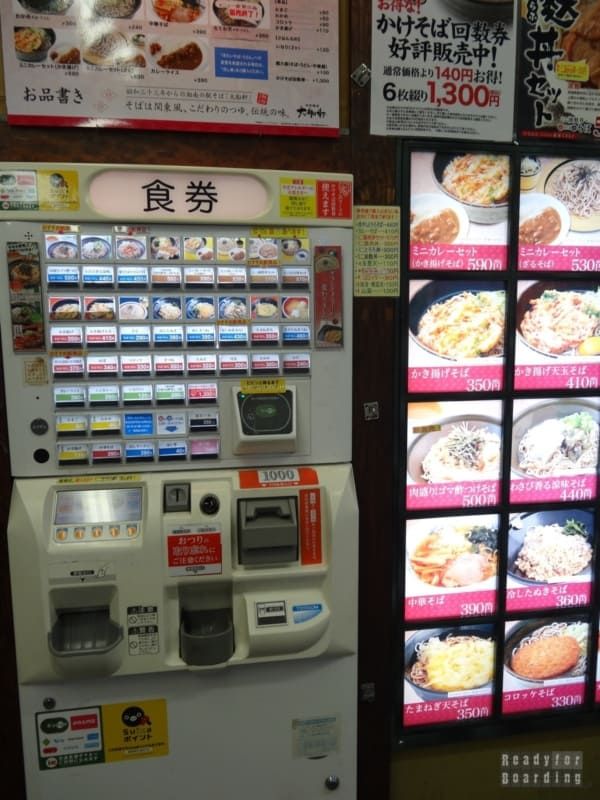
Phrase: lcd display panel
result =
(451, 566)
(550, 559)
(459, 206)
(454, 454)
(554, 449)
(98, 505)
(545, 663)
(557, 342)
(448, 674)
(559, 214)
(456, 335)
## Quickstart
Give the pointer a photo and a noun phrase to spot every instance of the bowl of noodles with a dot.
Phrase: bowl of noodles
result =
(546, 649)
(556, 319)
(459, 320)
(576, 184)
(441, 661)
(556, 438)
(550, 546)
(461, 448)
(480, 182)
(454, 554)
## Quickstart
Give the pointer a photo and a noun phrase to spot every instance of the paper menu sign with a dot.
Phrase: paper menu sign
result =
(143, 65)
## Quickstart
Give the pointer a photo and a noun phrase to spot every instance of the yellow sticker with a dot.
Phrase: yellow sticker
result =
(280, 233)
(262, 385)
(297, 197)
(136, 729)
(58, 190)
(573, 71)
(128, 477)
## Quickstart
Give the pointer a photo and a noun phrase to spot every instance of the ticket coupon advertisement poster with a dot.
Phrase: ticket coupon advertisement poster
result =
(236, 66)
(443, 68)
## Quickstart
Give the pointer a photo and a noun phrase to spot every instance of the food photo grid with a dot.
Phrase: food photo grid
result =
(497, 561)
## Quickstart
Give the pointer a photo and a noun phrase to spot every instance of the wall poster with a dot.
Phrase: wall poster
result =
(238, 66)
(443, 68)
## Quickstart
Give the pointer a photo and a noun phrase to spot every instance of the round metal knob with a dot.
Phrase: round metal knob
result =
(332, 782)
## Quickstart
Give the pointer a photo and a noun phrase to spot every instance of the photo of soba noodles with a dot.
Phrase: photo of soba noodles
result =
(559, 437)
(559, 318)
(454, 441)
(576, 184)
(460, 321)
(443, 660)
(550, 546)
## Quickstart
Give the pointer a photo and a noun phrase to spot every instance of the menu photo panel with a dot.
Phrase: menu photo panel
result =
(448, 674)
(459, 210)
(451, 566)
(454, 454)
(550, 559)
(557, 337)
(554, 449)
(546, 662)
(559, 213)
(456, 335)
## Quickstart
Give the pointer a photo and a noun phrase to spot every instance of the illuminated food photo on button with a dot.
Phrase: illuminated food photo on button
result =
(296, 308)
(167, 308)
(458, 320)
(455, 554)
(544, 649)
(554, 438)
(575, 183)
(233, 308)
(130, 248)
(95, 247)
(479, 182)
(441, 661)
(200, 308)
(549, 547)
(557, 318)
(65, 308)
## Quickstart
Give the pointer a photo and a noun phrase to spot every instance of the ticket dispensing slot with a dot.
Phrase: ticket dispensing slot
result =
(267, 531)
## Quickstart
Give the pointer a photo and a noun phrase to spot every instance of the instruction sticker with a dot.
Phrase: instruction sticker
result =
(315, 737)
(194, 550)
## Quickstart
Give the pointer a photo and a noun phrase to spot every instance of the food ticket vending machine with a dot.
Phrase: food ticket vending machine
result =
(183, 524)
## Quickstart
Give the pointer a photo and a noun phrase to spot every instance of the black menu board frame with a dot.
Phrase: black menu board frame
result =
(425, 711)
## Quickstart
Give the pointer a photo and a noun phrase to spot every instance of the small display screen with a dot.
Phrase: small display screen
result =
(98, 505)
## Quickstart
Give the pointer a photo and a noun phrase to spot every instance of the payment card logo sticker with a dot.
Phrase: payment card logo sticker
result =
(306, 612)
(135, 730)
(69, 738)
